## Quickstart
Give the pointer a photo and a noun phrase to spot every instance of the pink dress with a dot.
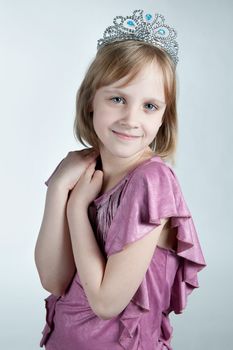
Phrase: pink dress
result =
(127, 212)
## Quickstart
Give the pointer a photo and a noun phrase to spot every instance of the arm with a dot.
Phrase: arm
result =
(109, 285)
(53, 251)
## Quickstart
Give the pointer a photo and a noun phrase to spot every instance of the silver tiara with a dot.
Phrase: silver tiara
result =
(143, 27)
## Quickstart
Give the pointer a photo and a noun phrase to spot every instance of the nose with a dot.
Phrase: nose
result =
(130, 117)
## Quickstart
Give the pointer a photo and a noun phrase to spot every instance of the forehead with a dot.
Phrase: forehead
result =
(149, 80)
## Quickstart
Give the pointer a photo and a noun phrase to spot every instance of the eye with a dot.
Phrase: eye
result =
(155, 108)
(115, 97)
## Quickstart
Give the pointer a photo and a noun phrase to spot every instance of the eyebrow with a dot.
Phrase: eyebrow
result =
(123, 93)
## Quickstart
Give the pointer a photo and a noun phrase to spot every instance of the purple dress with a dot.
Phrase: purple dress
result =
(127, 212)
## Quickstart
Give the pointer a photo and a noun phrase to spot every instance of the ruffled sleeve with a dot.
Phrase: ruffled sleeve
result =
(151, 194)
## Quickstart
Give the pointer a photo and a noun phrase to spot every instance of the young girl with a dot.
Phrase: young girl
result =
(117, 248)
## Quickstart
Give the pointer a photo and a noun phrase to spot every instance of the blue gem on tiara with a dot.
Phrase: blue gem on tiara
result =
(148, 16)
(130, 23)
(161, 31)
(148, 28)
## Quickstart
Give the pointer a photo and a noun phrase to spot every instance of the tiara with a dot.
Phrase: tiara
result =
(143, 27)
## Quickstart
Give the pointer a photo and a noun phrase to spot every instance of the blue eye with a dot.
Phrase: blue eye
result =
(154, 108)
(114, 98)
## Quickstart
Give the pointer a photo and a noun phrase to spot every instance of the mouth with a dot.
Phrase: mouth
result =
(125, 136)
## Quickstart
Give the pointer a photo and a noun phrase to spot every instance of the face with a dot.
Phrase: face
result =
(126, 120)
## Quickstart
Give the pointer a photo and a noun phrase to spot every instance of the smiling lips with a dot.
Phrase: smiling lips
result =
(125, 136)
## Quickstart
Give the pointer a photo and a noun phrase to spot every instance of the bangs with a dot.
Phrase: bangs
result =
(126, 61)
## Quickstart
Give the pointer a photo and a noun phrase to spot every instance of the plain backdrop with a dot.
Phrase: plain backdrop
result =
(45, 48)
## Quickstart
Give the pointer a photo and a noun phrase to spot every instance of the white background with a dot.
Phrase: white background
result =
(45, 48)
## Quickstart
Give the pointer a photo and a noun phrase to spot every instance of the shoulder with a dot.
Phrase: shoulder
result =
(153, 182)
(152, 172)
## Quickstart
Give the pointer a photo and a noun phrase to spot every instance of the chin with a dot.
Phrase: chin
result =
(126, 153)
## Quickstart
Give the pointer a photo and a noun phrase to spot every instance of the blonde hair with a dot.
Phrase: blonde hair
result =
(113, 62)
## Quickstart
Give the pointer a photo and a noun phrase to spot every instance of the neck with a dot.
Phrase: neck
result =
(115, 167)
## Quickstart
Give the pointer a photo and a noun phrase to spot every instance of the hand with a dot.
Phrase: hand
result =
(69, 170)
(86, 189)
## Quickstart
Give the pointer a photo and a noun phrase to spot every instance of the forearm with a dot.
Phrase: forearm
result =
(53, 251)
(89, 260)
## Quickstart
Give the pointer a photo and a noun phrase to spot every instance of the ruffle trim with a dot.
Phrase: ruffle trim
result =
(186, 280)
(130, 327)
(192, 262)
(50, 303)
(166, 331)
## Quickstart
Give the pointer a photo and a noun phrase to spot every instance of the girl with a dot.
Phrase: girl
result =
(117, 248)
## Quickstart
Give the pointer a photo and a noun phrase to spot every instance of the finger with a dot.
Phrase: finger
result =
(97, 178)
(90, 168)
(86, 150)
(92, 154)
(92, 151)
(98, 173)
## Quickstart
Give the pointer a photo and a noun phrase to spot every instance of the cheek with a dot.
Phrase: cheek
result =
(153, 125)
(152, 129)
(100, 122)
(103, 118)
(158, 125)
